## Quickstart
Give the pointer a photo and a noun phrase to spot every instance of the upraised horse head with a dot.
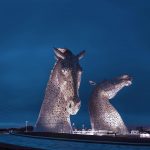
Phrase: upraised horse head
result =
(109, 88)
(68, 77)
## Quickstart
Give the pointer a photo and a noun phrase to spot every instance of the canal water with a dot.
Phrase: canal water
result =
(48, 144)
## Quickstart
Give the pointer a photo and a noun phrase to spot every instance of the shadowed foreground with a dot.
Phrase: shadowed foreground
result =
(15, 147)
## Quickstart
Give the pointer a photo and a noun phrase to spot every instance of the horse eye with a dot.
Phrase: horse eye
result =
(64, 71)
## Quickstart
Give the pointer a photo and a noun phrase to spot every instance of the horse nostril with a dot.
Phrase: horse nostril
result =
(79, 104)
(69, 105)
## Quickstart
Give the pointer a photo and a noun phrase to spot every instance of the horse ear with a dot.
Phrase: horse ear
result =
(58, 53)
(81, 55)
(92, 82)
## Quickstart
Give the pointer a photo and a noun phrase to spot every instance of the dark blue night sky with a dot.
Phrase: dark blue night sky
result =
(114, 33)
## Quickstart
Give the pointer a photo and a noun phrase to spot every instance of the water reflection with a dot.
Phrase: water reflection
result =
(63, 145)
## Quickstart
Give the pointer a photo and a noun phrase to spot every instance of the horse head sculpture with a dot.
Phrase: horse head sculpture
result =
(109, 88)
(103, 114)
(69, 77)
(62, 96)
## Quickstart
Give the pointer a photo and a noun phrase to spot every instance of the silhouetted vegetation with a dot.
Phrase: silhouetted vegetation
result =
(22, 129)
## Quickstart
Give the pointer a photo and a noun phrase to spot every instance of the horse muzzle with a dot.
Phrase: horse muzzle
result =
(74, 106)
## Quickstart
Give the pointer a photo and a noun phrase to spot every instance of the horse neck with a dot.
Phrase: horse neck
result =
(98, 99)
(53, 94)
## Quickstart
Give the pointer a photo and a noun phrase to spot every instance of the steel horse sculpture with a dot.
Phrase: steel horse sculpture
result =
(61, 96)
(103, 115)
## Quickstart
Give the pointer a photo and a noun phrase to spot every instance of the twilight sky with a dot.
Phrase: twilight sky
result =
(114, 33)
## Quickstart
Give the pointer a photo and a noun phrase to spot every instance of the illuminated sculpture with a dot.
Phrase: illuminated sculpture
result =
(61, 96)
(103, 115)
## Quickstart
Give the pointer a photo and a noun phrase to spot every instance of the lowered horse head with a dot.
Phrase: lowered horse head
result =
(67, 74)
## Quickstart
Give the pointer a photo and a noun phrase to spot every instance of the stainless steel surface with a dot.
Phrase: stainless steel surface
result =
(61, 96)
(103, 115)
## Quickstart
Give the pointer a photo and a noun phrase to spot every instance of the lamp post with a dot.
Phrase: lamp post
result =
(73, 126)
(83, 127)
(26, 126)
